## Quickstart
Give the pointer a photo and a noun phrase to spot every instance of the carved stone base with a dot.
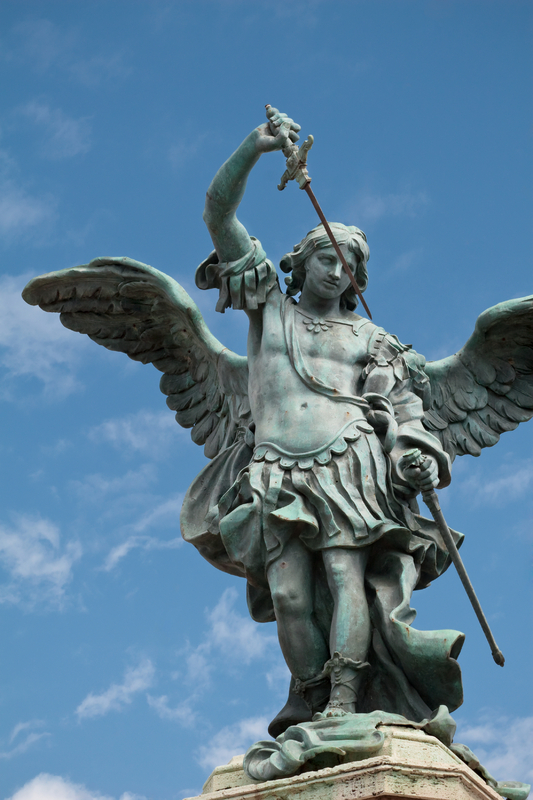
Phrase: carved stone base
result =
(411, 764)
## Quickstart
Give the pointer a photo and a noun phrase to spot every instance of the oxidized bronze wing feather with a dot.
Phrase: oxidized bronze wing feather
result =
(487, 387)
(133, 308)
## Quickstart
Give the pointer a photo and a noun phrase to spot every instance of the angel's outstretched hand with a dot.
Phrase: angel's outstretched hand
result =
(274, 134)
(423, 477)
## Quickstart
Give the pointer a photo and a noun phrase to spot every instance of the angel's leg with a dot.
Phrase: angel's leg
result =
(350, 627)
(290, 581)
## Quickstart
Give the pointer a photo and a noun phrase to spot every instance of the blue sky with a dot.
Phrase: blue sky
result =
(129, 666)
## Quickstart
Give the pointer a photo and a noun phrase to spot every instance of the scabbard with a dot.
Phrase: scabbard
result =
(432, 502)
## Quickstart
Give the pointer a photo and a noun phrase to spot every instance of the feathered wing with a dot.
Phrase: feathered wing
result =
(130, 307)
(487, 387)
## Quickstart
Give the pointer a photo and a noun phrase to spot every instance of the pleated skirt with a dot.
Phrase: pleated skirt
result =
(348, 502)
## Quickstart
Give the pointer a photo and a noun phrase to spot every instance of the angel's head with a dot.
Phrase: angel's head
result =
(355, 241)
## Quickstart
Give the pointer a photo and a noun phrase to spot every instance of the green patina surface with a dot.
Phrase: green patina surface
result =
(308, 493)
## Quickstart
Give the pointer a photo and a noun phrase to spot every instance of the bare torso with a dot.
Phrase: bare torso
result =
(285, 411)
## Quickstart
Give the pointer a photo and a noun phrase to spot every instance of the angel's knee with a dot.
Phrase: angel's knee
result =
(289, 602)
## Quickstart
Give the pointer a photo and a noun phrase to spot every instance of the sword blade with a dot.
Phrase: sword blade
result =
(339, 252)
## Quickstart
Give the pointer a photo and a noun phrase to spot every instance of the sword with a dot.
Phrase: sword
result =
(297, 171)
(415, 459)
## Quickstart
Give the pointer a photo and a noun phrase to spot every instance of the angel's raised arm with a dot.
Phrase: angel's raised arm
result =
(230, 237)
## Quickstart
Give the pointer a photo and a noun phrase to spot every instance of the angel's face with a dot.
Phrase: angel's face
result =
(325, 275)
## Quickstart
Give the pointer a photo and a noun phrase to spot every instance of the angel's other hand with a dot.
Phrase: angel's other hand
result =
(422, 478)
(274, 134)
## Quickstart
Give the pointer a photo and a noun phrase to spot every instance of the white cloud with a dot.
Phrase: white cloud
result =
(161, 513)
(39, 567)
(23, 746)
(135, 508)
(21, 212)
(234, 635)
(65, 137)
(143, 432)
(42, 42)
(232, 740)
(34, 344)
(119, 695)
(231, 640)
(199, 667)
(503, 745)
(166, 512)
(512, 481)
(54, 787)
(182, 151)
(405, 261)
(238, 639)
(100, 67)
(24, 726)
(57, 448)
(368, 208)
(130, 796)
(183, 712)
(93, 487)
(45, 45)
(142, 542)
(278, 677)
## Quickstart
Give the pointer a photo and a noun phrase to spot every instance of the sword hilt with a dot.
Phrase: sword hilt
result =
(413, 459)
(296, 164)
(297, 170)
(296, 157)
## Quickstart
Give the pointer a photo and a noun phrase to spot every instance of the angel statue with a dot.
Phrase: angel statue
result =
(309, 493)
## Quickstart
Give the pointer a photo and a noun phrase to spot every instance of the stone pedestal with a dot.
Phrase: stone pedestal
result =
(410, 764)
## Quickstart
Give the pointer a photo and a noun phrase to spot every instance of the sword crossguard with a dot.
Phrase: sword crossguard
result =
(297, 171)
(296, 164)
(296, 156)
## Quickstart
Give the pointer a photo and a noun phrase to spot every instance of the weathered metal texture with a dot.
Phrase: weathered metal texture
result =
(410, 765)
(306, 495)
(297, 171)
(415, 459)
(329, 232)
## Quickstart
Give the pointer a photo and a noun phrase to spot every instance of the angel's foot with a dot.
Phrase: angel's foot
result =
(305, 698)
(293, 712)
(345, 674)
(334, 709)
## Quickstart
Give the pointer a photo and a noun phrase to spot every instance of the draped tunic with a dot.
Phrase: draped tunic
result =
(335, 484)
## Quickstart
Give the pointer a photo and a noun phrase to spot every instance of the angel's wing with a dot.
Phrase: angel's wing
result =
(487, 387)
(128, 306)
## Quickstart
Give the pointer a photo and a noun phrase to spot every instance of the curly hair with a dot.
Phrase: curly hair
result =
(317, 239)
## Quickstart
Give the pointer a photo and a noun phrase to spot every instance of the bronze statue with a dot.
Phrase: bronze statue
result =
(310, 493)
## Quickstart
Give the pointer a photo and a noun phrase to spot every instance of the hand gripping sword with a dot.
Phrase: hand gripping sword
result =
(297, 171)
(414, 460)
